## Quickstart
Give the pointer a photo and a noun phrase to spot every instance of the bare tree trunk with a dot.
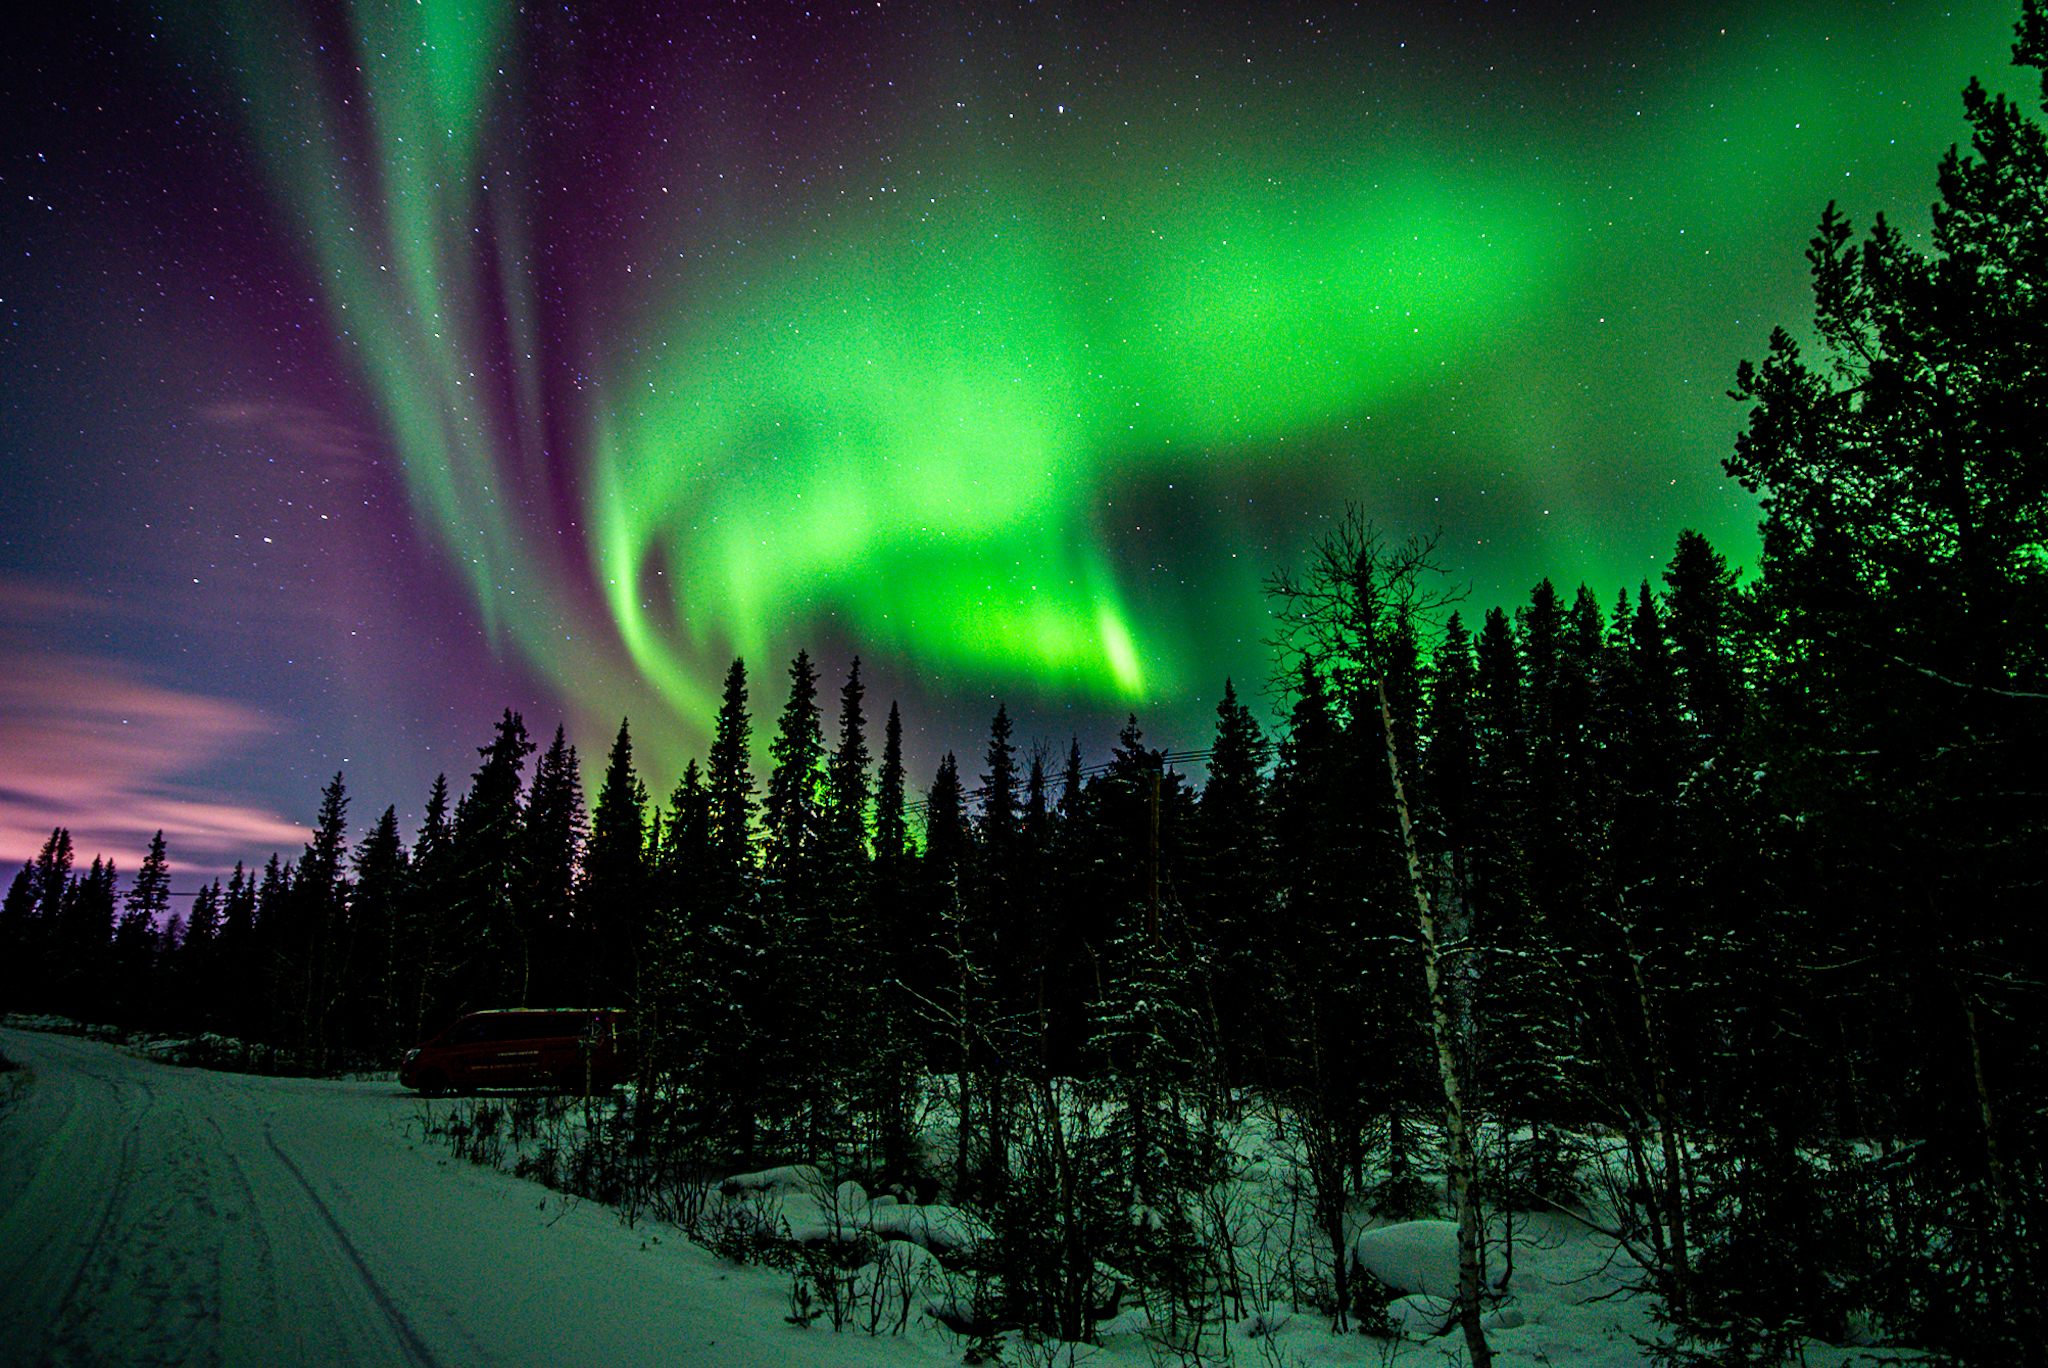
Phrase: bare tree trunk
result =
(1679, 1283)
(2024, 1290)
(1463, 1177)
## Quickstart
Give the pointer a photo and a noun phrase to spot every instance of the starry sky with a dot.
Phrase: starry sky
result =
(368, 369)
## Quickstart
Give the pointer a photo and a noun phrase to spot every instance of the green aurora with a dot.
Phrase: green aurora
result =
(903, 372)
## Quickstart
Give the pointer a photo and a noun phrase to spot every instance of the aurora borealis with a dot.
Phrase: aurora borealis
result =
(369, 368)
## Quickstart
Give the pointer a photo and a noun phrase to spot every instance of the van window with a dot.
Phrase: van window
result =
(515, 1026)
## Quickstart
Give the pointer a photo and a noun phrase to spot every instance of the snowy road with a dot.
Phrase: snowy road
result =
(160, 1215)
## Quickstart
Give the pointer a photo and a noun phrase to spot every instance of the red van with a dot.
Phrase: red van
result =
(567, 1048)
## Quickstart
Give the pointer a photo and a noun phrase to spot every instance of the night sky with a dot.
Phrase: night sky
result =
(367, 370)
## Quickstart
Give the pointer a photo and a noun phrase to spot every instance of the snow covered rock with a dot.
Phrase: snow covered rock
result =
(1419, 1317)
(941, 1229)
(788, 1178)
(1414, 1257)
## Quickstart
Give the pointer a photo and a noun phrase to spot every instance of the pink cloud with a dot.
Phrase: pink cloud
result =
(84, 745)
(317, 438)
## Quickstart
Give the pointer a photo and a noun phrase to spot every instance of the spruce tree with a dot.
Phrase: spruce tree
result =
(85, 920)
(675, 964)
(137, 935)
(1701, 610)
(949, 976)
(485, 957)
(731, 783)
(892, 829)
(21, 947)
(425, 928)
(683, 849)
(1070, 780)
(1233, 882)
(995, 913)
(203, 927)
(149, 901)
(1903, 608)
(52, 874)
(845, 829)
(947, 839)
(239, 1012)
(375, 900)
(796, 775)
(730, 1012)
(196, 983)
(896, 944)
(792, 1043)
(865, 1069)
(551, 846)
(316, 943)
(614, 899)
(270, 951)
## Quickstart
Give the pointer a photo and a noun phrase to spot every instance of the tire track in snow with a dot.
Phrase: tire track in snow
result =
(97, 1170)
(415, 1348)
(103, 1251)
(70, 1316)
(259, 1279)
(71, 1185)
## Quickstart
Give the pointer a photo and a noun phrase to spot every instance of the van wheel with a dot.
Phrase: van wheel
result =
(432, 1083)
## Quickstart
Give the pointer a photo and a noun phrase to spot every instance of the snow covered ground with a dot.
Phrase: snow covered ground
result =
(153, 1214)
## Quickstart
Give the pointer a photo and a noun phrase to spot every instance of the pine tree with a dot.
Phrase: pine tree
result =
(800, 928)
(21, 949)
(137, 938)
(1038, 816)
(551, 844)
(729, 976)
(1701, 609)
(1313, 1052)
(375, 899)
(196, 982)
(946, 831)
(797, 774)
(53, 871)
(846, 781)
(865, 1073)
(998, 826)
(1070, 779)
(1234, 876)
(149, 900)
(894, 951)
(484, 848)
(615, 899)
(674, 969)
(952, 985)
(85, 932)
(731, 783)
(203, 928)
(995, 913)
(270, 950)
(424, 924)
(892, 830)
(25, 933)
(317, 943)
(1904, 613)
(239, 1012)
